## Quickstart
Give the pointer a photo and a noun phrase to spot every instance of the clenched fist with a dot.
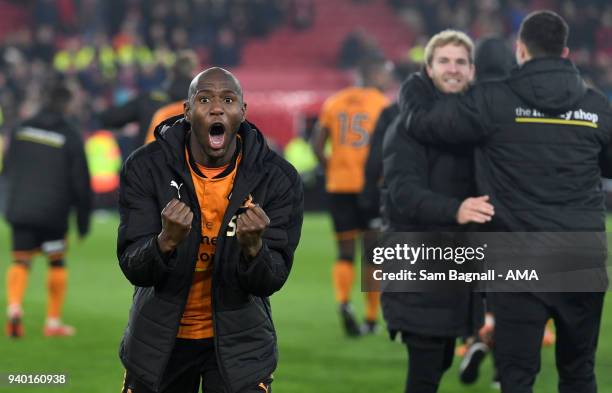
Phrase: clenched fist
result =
(250, 226)
(176, 224)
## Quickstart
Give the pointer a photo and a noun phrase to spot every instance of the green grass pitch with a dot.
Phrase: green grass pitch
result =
(314, 354)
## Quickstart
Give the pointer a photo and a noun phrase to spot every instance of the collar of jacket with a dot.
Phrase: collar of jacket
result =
(48, 119)
(172, 133)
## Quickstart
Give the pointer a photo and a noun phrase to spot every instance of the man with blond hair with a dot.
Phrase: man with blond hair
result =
(428, 189)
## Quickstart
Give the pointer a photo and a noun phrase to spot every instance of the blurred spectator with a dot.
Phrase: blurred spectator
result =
(302, 14)
(204, 30)
(44, 45)
(67, 14)
(184, 69)
(45, 13)
(493, 59)
(179, 39)
(357, 46)
(517, 11)
(141, 107)
(603, 36)
(264, 15)
(225, 51)
(38, 211)
(114, 50)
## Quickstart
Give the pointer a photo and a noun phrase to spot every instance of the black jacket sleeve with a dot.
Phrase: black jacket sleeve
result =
(369, 199)
(118, 116)
(139, 256)
(268, 271)
(405, 173)
(81, 182)
(605, 157)
(605, 162)
(433, 118)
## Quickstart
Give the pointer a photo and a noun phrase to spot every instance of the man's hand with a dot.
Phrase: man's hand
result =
(417, 93)
(251, 225)
(176, 224)
(477, 210)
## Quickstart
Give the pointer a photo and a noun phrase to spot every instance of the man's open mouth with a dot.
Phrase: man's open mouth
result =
(216, 135)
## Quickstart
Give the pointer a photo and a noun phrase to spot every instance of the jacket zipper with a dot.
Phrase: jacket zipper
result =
(234, 204)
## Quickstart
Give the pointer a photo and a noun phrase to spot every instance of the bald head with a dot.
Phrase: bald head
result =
(214, 74)
(215, 111)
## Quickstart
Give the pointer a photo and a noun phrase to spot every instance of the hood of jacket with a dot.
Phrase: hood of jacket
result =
(48, 120)
(493, 60)
(551, 85)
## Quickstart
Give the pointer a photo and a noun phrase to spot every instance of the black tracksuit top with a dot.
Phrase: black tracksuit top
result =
(47, 174)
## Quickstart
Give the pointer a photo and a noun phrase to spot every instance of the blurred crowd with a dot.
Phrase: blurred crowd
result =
(590, 22)
(111, 50)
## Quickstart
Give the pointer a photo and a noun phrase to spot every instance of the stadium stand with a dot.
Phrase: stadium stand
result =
(288, 51)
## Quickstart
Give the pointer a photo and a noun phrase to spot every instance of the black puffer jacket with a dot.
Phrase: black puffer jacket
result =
(423, 189)
(46, 173)
(424, 185)
(245, 339)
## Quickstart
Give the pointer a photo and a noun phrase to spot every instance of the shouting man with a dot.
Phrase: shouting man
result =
(210, 219)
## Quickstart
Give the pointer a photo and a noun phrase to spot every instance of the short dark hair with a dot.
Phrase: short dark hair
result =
(544, 33)
(186, 62)
(370, 65)
(58, 96)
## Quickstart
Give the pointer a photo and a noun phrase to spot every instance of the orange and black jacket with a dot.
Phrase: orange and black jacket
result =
(244, 335)
(47, 174)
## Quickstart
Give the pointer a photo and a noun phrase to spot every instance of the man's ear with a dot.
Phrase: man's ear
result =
(429, 71)
(520, 52)
(565, 53)
(244, 110)
(187, 110)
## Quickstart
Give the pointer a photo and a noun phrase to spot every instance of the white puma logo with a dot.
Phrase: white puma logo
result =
(178, 188)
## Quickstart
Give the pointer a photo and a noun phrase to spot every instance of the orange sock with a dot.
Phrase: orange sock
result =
(343, 276)
(57, 278)
(372, 304)
(16, 283)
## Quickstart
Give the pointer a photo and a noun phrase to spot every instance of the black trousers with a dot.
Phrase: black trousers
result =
(428, 359)
(192, 362)
(520, 319)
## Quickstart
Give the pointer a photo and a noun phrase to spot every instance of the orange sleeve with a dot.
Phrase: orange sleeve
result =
(154, 122)
(326, 116)
(173, 109)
